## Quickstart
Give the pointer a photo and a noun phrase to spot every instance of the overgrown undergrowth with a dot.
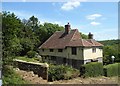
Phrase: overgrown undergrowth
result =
(10, 77)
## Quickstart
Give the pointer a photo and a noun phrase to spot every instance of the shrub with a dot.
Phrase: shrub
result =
(10, 77)
(111, 69)
(62, 72)
(31, 54)
(92, 69)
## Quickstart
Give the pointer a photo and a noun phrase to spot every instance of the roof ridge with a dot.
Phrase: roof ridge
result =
(88, 42)
(71, 37)
(73, 34)
(92, 42)
(82, 42)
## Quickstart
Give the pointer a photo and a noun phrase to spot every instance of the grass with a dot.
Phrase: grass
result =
(25, 58)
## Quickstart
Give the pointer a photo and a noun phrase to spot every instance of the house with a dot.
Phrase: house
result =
(68, 47)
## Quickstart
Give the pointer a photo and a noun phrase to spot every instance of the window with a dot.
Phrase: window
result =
(53, 58)
(51, 50)
(64, 60)
(93, 50)
(60, 50)
(43, 50)
(74, 50)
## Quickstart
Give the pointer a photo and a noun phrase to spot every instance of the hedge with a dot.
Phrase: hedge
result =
(59, 72)
(112, 70)
(92, 69)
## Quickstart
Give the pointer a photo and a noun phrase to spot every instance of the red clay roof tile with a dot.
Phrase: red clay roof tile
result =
(61, 40)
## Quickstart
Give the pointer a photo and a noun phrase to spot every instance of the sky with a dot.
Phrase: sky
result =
(0, 82)
(99, 18)
(0, 79)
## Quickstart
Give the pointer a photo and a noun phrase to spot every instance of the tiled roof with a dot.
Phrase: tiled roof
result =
(73, 38)
(94, 43)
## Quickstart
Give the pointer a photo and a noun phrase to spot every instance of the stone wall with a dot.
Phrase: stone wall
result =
(38, 68)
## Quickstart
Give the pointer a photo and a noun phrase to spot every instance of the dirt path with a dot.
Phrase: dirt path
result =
(96, 80)
(34, 79)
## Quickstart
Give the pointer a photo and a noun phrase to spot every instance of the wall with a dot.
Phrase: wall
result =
(66, 53)
(54, 53)
(83, 56)
(88, 54)
(38, 68)
(79, 55)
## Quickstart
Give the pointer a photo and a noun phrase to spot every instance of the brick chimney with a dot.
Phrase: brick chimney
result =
(67, 28)
(90, 36)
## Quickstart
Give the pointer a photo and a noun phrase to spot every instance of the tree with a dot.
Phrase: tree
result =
(10, 30)
(111, 48)
(46, 30)
(83, 36)
(33, 23)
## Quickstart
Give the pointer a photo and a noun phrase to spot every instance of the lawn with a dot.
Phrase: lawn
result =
(25, 58)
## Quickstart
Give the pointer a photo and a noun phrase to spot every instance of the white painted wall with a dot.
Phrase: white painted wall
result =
(88, 54)
(82, 53)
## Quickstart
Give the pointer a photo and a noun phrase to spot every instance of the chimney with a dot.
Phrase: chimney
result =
(90, 36)
(67, 28)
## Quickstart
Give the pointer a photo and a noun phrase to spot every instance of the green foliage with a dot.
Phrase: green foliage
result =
(10, 30)
(92, 69)
(109, 42)
(10, 77)
(112, 69)
(46, 30)
(111, 48)
(57, 72)
(19, 37)
(83, 36)
(31, 54)
(25, 58)
(27, 45)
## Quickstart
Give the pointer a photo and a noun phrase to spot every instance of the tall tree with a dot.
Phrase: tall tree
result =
(10, 30)
(33, 23)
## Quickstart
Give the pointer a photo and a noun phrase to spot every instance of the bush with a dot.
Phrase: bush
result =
(10, 77)
(31, 54)
(62, 72)
(92, 69)
(112, 69)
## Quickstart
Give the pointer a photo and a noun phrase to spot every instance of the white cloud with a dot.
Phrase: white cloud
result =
(95, 23)
(70, 5)
(93, 16)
